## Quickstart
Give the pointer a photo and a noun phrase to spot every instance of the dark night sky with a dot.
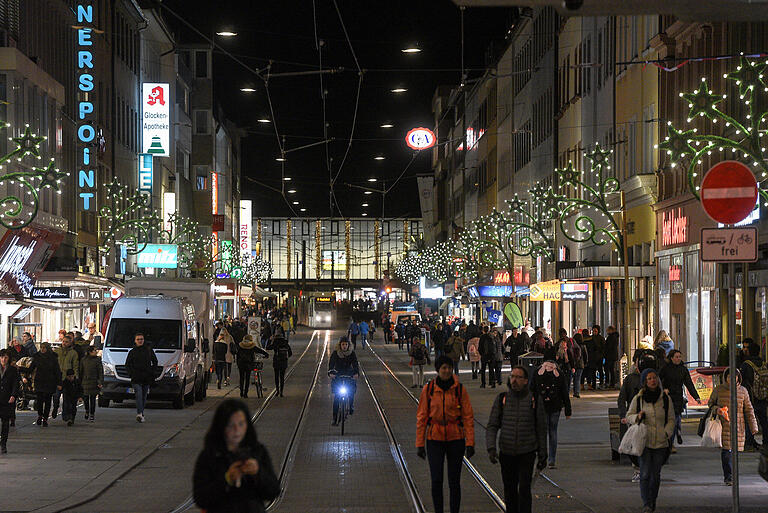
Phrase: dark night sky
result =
(283, 31)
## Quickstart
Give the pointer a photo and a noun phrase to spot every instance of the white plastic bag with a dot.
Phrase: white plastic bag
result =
(713, 432)
(634, 440)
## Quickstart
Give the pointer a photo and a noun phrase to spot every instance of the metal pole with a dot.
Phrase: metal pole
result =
(625, 258)
(733, 410)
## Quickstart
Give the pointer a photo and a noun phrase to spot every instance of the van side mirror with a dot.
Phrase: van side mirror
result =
(206, 345)
(190, 346)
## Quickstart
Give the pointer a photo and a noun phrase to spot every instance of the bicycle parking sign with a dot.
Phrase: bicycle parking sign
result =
(729, 244)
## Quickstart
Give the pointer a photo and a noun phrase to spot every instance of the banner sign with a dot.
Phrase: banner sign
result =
(50, 293)
(163, 256)
(546, 291)
(574, 291)
(156, 122)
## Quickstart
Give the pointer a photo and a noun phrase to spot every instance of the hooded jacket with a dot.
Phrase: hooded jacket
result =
(445, 415)
(611, 353)
(141, 363)
(521, 426)
(454, 348)
(721, 397)
(47, 372)
(282, 351)
(91, 374)
(549, 382)
(246, 352)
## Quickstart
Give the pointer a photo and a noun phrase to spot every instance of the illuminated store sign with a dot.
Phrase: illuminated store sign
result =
(164, 256)
(420, 138)
(24, 253)
(674, 227)
(86, 117)
(145, 173)
(50, 293)
(156, 122)
(574, 291)
(675, 273)
(246, 227)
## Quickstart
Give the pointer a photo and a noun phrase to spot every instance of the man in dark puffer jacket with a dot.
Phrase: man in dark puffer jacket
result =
(523, 439)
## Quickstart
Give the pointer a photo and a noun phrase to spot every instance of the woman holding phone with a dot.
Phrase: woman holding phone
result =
(233, 472)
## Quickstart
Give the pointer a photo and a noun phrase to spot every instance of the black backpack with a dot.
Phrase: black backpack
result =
(548, 392)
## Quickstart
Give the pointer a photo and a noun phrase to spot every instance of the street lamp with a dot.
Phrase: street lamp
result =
(226, 33)
(398, 90)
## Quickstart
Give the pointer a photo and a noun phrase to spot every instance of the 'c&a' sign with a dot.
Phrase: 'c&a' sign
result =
(86, 131)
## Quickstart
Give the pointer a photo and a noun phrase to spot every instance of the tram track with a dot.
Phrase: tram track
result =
(189, 502)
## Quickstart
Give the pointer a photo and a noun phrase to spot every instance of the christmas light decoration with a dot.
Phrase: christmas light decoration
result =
(288, 249)
(594, 219)
(318, 254)
(376, 249)
(531, 233)
(347, 226)
(193, 245)
(18, 211)
(128, 219)
(258, 238)
(744, 138)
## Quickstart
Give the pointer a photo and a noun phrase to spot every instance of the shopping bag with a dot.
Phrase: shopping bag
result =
(712, 433)
(634, 440)
(703, 421)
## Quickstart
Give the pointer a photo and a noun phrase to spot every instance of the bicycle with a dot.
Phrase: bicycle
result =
(258, 366)
(343, 390)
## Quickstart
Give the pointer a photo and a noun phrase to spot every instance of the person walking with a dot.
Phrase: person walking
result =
(629, 389)
(611, 356)
(220, 351)
(590, 369)
(246, 356)
(473, 350)
(91, 379)
(598, 342)
(551, 393)
(564, 358)
(651, 407)
(745, 414)
(141, 363)
(520, 428)
(233, 472)
(579, 355)
(68, 359)
(487, 347)
(229, 356)
(445, 430)
(438, 340)
(751, 371)
(674, 376)
(498, 357)
(29, 343)
(663, 341)
(45, 367)
(9, 392)
(419, 357)
(282, 352)
(454, 349)
(363, 333)
(353, 331)
(71, 391)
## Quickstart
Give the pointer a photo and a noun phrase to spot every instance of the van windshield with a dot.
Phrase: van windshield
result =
(158, 333)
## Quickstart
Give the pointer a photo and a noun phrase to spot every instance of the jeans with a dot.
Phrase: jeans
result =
(279, 379)
(354, 341)
(678, 428)
(363, 339)
(245, 377)
(577, 382)
(418, 375)
(610, 373)
(56, 401)
(497, 370)
(516, 473)
(591, 376)
(68, 408)
(456, 366)
(651, 462)
(437, 453)
(43, 404)
(567, 373)
(221, 372)
(552, 421)
(89, 404)
(475, 369)
(483, 365)
(6, 426)
(725, 459)
(141, 392)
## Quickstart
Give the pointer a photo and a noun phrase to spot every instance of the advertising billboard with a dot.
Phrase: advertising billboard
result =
(156, 119)
(335, 258)
(163, 256)
(246, 227)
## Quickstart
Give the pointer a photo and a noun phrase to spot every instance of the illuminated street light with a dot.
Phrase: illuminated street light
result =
(364, 214)
(398, 90)
(303, 209)
(368, 192)
(411, 49)
(287, 179)
(281, 159)
(371, 179)
(247, 90)
(379, 157)
(226, 33)
(263, 120)
(292, 191)
(365, 204)
(387, 125)
(295, 202)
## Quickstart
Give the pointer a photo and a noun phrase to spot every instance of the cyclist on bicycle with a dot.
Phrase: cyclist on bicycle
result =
(343, 364)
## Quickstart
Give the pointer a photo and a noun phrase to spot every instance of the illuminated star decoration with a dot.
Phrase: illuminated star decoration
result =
(28, 144)
(677, 143)
(598, 157)
(569, 175)
(747, 76)
(51, 176)
(702, 102)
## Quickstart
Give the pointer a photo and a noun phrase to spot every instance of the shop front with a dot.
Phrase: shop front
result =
(688, 303)
(226, 298)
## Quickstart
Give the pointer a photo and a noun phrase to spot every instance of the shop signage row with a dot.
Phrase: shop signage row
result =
(556, 290)
(91, 295)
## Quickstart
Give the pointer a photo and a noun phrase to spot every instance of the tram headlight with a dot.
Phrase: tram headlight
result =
(328, 318)
(318, 318)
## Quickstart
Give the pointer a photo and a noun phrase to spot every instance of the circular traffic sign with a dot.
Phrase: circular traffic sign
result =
(728, 192)
(420, 138)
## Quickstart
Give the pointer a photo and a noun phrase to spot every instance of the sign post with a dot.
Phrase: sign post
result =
(728, 195)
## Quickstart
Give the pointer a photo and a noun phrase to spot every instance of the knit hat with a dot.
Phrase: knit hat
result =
(70, 372)
(442, 360)
(645, 373)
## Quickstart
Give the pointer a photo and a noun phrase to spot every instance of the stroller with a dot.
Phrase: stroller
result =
(26, 390)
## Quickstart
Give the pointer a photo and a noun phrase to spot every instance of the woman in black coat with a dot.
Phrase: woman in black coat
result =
(45, 365)
(282, 350)
(9, 392)
(233, 472)
(673, 377)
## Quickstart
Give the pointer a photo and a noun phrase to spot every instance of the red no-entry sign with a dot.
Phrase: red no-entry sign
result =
(728, 192)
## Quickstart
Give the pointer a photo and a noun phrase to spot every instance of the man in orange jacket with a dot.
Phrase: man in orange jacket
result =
(445, 430)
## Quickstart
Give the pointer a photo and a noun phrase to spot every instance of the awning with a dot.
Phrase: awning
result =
(606, 272)
(259, 293)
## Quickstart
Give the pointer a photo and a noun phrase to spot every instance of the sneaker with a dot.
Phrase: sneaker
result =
(138, 417)
(39, 421)
(729, 482)
(636, 476)
(142, 420)
(91, 419)
(679, 439)
(552, 466)
(577, 396)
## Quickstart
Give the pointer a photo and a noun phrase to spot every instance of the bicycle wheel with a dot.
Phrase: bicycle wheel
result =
(259, 386)
(343, 413)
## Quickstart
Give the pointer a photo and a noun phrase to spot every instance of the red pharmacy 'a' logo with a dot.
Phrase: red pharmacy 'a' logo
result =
(156, 95)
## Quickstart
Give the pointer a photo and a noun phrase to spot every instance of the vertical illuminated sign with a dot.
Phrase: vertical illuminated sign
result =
(145, 173)
(156, 124)
(86, 132)
(214, 210)
(246, 228)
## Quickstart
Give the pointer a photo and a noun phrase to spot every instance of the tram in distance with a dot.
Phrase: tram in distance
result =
(322, 312)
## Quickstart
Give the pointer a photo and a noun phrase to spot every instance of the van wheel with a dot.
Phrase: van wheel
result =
(199, 388)
(189, 399)
(206, 382)
(102, 402)
(178, 403)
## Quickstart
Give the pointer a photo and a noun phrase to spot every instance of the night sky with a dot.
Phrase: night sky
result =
(284, 31)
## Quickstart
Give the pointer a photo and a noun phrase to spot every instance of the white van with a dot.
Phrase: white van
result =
(170, 329)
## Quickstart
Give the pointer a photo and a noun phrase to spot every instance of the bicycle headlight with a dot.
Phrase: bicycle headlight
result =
(343, 390)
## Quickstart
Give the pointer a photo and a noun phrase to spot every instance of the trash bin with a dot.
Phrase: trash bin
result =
(616, 431)
(530, 361)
